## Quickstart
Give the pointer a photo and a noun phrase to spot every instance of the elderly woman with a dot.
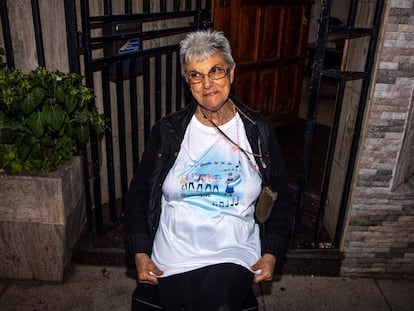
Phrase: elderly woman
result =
(190, 211)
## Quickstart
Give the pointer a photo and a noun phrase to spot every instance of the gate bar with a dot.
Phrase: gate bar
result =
(93, 138)
(358, 123)
(5, 25)
(71, 36)
(315, 83)
(37, 25)
(110, 170)
(134, 113)
(121, 132)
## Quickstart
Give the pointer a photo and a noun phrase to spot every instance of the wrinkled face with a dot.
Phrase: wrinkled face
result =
(212, 90)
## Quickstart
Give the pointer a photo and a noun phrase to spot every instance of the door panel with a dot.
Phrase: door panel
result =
(270, 41)
(245, 83)
(289, 88)
(293, 33)
(266, 98)
(267, 39)
(247, 36)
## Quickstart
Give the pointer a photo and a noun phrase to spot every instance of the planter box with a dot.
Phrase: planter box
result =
(41, 218)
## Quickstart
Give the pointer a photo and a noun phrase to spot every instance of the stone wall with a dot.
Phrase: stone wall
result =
(379, 234)
(52, 21)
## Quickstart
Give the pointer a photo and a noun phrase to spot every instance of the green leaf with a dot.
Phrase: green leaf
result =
(25, 152)
(82, 133)
(7, 136)
(60, 93)
(83, 117)
(54, 116)
(37, 123)
(71, 102)
(32, 100)
(16, 167)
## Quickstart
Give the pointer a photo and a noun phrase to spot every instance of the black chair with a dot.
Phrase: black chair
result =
(145, 298)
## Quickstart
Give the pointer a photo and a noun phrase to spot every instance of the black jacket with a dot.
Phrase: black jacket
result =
(143, 200)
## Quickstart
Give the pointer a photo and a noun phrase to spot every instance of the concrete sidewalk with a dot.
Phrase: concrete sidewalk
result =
(110, 288)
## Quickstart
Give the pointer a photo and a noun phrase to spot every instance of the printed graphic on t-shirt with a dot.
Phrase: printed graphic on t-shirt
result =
(212, 174)
(216, 181)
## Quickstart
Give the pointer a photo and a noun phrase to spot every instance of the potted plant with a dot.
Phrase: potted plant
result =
(44, 115)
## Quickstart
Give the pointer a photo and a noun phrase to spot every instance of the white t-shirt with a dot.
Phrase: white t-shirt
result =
(208, 202)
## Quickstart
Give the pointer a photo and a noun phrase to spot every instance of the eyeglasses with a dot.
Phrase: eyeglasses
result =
(215, 73)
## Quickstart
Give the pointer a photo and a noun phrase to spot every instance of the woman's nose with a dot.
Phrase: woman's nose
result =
(206, 81)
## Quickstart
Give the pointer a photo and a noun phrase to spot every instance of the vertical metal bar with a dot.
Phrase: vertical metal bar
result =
(198, 17)
(121, 131)
(108, 7)
(329, 161)
(163, 6)
(147, 100)
(5, 25)
(158, 97)
(109, 151)
(93, 139)
(353, 8)
(134, 112)
(168, 82)
(176, 6)
(146, 6)
(179, 81)
(208, 5)
(188, 5)
(71, 36)
(37, 25)
(84, 150)
(359, 119)
(311, 117)
(128, 7)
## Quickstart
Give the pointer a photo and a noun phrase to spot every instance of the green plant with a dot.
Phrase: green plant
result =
(43, 115)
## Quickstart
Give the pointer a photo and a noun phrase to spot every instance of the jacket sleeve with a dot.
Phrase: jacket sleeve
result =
(137, 200)
(276, 230)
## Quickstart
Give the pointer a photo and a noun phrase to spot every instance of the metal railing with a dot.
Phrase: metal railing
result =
(138, 87)
(349, 31)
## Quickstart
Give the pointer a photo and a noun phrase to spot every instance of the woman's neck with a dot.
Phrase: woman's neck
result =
(219, 117)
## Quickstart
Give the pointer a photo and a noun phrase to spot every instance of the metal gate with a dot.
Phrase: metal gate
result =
(131, 61)
(348, 75)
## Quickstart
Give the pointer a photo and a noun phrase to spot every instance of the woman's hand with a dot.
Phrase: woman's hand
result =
(147, 271)
(266, 266)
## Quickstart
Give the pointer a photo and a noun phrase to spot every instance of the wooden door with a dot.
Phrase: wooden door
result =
(268, 40)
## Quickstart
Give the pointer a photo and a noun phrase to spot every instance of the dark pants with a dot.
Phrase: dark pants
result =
(220, 287)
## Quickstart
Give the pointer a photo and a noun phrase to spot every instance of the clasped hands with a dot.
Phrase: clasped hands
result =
(148, 272)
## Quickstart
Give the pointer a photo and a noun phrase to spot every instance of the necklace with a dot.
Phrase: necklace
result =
(235, 145)
(205, 116)
(210, 121)
(245, 152)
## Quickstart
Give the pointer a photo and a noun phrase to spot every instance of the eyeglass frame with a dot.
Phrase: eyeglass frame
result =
(226, 73)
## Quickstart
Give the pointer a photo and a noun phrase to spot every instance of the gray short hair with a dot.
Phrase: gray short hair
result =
(200, 45)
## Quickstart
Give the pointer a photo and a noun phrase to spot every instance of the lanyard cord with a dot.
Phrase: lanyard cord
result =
(245, 152)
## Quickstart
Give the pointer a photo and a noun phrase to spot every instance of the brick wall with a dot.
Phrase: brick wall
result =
(379, 234)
